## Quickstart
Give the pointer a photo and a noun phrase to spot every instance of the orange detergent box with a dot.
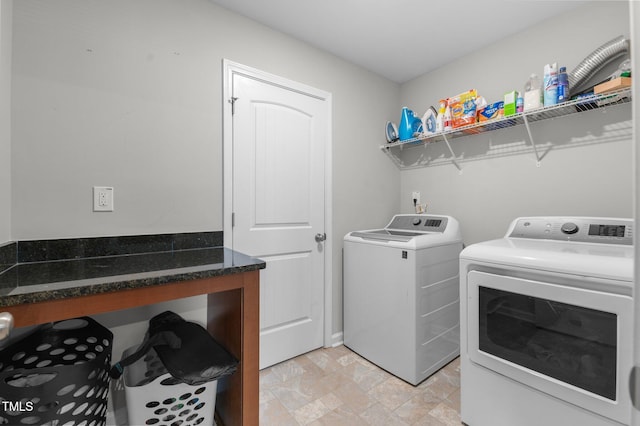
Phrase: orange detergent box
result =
(463, 108)
(492, 111)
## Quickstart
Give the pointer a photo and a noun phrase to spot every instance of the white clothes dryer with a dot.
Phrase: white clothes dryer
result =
(401, 294)
(546, 318)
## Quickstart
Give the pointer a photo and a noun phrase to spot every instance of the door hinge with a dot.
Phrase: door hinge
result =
(232, 101)
(233, 220)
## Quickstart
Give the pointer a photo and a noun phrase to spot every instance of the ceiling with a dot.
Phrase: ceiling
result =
(399, 39)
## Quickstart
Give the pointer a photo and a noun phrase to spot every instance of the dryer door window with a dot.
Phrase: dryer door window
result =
(566, 341)
(573, 344)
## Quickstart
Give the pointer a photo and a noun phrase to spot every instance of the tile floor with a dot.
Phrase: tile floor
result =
(335, 387)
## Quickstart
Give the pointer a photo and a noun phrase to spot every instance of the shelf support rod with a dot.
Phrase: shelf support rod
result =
(453, 155)
(533, 143)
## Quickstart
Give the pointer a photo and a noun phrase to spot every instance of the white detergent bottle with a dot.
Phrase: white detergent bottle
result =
(440, 116)
(448, 125)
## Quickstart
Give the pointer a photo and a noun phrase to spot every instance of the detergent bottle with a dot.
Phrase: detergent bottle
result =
(409, 124)
(448, 122)
(563, 85)
(440, 116)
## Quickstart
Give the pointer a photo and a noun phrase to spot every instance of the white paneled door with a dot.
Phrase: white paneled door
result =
(279, 140)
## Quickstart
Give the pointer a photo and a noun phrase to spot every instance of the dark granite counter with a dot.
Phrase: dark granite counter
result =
(40, 281)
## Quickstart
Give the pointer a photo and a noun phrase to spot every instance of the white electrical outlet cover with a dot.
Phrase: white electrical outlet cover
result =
(102, 198)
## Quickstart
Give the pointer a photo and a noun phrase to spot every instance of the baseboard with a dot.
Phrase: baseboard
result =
(337, 339)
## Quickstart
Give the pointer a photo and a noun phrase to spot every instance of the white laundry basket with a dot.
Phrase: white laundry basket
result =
(155, 397)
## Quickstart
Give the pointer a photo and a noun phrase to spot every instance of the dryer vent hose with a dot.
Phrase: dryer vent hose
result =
(596, 60)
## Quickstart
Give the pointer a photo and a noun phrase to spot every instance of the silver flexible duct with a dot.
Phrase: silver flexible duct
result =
(596, 60)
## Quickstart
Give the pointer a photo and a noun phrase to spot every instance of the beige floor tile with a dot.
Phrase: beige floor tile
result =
(338, 351)
(334, 380)
(446, 415)
(335, 386)
(342, 416)
(290, 395)
(449, 375)
(417, 407)
(392, 392)
(453, 400)
(310, 412)
(266, 395)
(274, 413)
(309, 366)
(439, 386)
(347, 359)
(288, 369)
(331, 401)
(354, 397)
(429, 420)
(366, 375)
(324, 361)
(268, 378)
(378, 415)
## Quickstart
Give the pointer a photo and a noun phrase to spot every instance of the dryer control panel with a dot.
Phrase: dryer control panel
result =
(579, 229)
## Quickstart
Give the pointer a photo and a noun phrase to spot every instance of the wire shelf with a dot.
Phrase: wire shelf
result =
(540, 114)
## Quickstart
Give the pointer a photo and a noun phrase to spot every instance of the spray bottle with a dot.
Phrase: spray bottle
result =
(550, 84)
(448, 124)
(440, 117)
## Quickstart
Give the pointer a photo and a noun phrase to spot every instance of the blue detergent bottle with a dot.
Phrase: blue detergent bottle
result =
(563, 85)
(409, 124)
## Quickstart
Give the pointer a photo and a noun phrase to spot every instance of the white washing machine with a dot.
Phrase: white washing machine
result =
(546, 319)
(401, 288)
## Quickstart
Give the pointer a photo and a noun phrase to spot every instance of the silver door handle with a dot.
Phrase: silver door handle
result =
(320, 237)
(6, 325)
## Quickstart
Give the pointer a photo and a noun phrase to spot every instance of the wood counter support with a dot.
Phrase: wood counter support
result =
(232, 318)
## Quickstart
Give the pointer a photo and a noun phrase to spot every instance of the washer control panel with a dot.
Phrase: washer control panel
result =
(418, 222)
(581, 229)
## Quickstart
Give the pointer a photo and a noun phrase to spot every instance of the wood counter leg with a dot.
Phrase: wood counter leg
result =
(233, 318)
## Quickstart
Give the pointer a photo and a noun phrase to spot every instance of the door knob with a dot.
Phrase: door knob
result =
(6, 325)
(321, 237)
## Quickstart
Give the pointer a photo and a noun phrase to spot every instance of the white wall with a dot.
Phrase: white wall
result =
(5, 120)
(129, 94)
(589, 168)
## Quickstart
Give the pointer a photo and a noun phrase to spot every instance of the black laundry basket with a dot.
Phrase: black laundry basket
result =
(57, 375)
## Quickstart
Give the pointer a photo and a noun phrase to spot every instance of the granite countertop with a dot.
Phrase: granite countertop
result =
(34, 282)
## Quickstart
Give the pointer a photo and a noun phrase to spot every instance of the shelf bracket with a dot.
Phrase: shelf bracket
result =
(533, 142)
(393, 158)
(453, 155)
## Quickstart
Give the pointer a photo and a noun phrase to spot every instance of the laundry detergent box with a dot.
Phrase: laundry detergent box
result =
(510, 103)
(463, 108)
(491, 112)
(494, 111)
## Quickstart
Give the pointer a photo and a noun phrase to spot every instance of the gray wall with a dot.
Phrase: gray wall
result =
(5, 120)
(588, 169)
(129, 94)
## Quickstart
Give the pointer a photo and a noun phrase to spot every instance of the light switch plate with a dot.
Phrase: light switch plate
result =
(102, 198)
